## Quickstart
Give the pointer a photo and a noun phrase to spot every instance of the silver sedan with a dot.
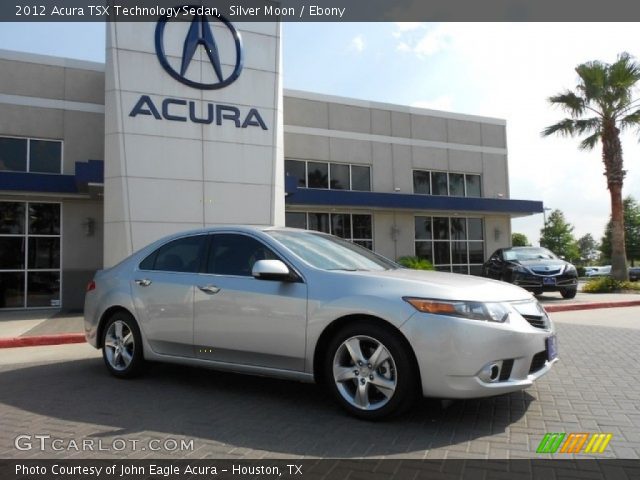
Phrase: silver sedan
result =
(312, 307)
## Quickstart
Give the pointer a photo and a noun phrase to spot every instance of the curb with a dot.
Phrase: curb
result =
(590, 306)
(40, 340)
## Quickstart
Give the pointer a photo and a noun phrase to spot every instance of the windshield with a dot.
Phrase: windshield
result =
(330, 253)
(524, 254)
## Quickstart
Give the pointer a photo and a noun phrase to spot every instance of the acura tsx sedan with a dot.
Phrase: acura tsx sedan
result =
(534, 268)
(308, 306)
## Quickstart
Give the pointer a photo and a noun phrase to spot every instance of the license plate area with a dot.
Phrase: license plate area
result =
(549, 281)
(552, 347)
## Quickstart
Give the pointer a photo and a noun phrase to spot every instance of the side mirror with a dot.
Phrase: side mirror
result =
(271, 270)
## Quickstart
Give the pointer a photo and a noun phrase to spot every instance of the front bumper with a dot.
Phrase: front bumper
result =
(548, 283)
(453, 354)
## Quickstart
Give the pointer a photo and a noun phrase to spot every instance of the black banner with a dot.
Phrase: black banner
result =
(594, 469)
(321, 10)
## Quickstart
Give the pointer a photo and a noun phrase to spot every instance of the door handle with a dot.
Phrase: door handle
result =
(210, 289)
(144, 282)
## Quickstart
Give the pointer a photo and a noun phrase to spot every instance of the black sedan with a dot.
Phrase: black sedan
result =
(533, 268)
(634, 274)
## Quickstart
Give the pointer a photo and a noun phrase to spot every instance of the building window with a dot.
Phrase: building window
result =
(360, 178)
(295, 220)
(357, 228)
(340, 176)
(427, 182)
(452, 244)
(439, 183)
(29, 254)
(456, 184)
(334, 176)
(422, 182)
(30, 155)
(317, 175)
(472, 184)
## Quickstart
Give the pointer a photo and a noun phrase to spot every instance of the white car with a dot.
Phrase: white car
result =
(598, 271)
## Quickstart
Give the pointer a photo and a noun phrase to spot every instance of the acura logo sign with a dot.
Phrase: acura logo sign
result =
(201, 34)
(215, 66)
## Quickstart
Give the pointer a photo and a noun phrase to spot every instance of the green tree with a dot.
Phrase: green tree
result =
(557, 236)
(519, 240)
(601, 107)
(588, 248)
(632, 232)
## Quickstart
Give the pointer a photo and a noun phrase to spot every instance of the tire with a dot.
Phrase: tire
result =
(568, 292)
(363, 390)
(122, 346)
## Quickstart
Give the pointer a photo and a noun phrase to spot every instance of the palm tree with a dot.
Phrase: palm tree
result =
(601, 107)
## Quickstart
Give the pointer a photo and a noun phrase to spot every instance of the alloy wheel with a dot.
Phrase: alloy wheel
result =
(119, 345)
(365, 372)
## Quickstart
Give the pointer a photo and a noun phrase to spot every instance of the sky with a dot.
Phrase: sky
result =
(503, 70)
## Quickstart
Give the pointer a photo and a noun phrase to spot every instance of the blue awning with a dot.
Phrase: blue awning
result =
(349, 198)
(86, 173)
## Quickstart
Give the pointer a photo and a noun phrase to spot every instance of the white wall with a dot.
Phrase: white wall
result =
(164, 176)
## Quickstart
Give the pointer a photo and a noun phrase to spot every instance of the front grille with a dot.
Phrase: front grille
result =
(539, 359)
(544, 271)
(505, 373)
(538, 321)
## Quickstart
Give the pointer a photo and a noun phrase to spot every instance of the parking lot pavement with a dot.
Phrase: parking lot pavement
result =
(65, 392)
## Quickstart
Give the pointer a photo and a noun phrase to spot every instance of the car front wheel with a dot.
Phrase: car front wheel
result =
(568, 292)
(369, 371)
(122, 346)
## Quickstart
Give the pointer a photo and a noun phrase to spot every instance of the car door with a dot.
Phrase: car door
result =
(163, 289)
(244, 320)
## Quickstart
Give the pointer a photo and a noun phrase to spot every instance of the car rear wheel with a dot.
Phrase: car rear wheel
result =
(568, 292)
(370, 372)
(122, 346)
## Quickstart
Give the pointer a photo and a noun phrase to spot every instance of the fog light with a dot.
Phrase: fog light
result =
(490, 372)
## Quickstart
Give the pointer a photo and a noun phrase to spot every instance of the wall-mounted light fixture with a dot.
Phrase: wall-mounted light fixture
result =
(89, 227)
(395, 232)
(497, 234)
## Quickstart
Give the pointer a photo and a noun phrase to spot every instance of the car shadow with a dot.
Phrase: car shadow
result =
(548, 297)
(283, 417)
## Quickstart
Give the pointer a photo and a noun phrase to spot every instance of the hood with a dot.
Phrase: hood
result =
(539, 262)
(446, 286)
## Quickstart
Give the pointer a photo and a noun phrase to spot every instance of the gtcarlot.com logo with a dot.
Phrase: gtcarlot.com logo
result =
(45, 442)
(574, 443)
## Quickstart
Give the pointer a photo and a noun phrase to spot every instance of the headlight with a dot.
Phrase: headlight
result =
(490, 312)
(569, 269)
(518, 269)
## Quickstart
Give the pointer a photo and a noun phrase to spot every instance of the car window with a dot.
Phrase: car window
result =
(331, 253)
(181, 255)
(235, 254)
(529, 253)
(510, 255)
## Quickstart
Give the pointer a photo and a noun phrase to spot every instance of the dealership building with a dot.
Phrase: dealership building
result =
(187, 125)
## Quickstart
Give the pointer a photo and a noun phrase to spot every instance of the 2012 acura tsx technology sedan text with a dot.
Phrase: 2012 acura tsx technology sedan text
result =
(309, 306)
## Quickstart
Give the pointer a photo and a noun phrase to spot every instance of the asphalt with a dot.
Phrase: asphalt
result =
(51, 327)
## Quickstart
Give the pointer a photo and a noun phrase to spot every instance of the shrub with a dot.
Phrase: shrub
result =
(607, 285)
(601, 285)
(581, 271)
(415, 263)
